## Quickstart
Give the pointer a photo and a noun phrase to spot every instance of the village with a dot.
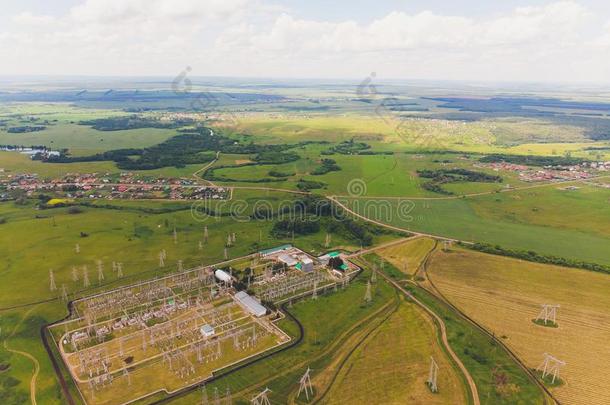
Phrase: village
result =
(111, 186)
(583, 171)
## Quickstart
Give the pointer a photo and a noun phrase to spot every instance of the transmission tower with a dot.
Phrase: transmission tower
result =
(180, 266)
(52, 285)
(74, 274)
(100, 271)
(229, 241)
(327, 241)
(205, 234)
(262, 398)
(64, 293)
(77, 248)
(305, 384)
(200, 247)
(550, 366)
(374, 276)
(175, 234)
(216, 397)
(446, 245)
(204, 395)
(126, 374)
(228, 398)
(85, 276)
(226, 254)
(548, 313)
(119, 270)
(161, 259)
(432, 376)
(367, 295)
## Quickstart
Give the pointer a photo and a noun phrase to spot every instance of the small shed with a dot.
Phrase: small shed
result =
(207, 330)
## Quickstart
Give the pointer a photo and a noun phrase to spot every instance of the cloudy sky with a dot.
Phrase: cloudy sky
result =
(509, 40)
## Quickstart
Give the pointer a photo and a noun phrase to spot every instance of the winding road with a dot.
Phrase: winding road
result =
(27, 355)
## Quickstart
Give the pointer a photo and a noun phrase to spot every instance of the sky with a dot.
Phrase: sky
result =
(470, 40)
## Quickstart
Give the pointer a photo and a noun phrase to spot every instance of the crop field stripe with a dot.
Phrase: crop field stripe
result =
(530, 374)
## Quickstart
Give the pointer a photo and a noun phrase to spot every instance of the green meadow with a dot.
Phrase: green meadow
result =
(571, 224)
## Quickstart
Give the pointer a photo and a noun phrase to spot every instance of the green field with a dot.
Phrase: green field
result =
(572, 224)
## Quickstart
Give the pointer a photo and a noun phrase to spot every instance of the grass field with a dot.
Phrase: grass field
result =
(391, 366)
(514, 135)
(505, 295)
(35, 241)
(384, 175)
(545, 220)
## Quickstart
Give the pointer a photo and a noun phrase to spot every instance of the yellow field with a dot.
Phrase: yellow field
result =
(407, 256)
(391, 367)
(505, 295)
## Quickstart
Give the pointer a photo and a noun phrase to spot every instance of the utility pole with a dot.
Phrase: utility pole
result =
(52, 285)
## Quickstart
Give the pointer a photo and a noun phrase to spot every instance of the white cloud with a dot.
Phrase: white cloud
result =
(547, 25)
(29, 19)
(257, 37)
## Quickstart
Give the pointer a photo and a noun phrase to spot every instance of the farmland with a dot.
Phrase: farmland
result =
(279, 158)
(506, 294)
(409, 256)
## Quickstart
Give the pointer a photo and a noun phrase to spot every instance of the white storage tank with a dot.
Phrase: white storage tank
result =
(223, 276)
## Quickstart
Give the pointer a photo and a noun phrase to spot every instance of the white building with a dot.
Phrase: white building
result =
(250, 304)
